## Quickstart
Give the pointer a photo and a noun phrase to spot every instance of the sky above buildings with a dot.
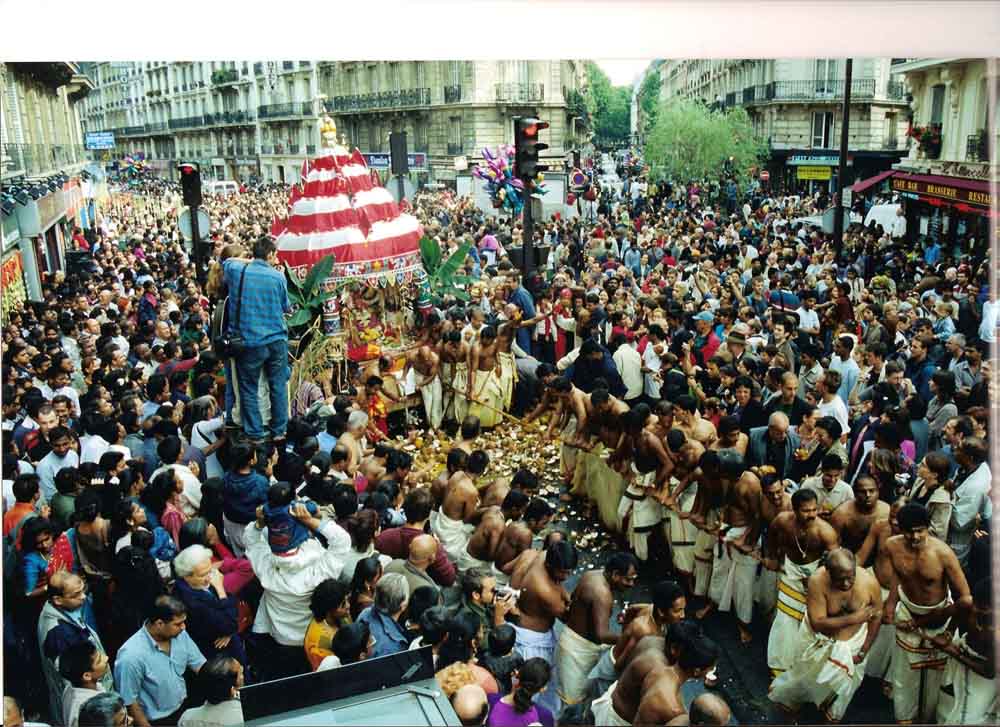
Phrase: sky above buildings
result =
(623, 72)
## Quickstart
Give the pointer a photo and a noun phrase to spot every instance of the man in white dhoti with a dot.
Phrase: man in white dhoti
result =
(927, 591)
(797, 539)
(587, 634)
(451, 524)
(968, 687)
(843, 613)
(640, 508)
(426, 369)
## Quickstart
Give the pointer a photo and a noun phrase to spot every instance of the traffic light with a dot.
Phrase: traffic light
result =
(190, 183)
(526, 148)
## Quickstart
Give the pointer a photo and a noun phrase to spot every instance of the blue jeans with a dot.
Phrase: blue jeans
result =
(273, 359)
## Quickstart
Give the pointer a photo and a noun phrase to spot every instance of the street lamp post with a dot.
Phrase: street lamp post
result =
(838, 213)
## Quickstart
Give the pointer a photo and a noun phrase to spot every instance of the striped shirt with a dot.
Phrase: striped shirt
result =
(265, 301)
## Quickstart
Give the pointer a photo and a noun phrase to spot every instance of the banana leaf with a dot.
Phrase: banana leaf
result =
(292, 278)
(320, 272)
(430, 253)
(301, 317)
(454, 262)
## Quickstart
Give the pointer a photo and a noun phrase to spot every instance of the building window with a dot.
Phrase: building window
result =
(891, 141)
(419, 74)
(373, 79)
(826, 75)
(455, 131)
(822, 130)
(394, 76)
(937, 103)
(456, 73)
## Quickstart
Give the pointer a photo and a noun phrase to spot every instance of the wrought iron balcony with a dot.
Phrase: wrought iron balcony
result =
(225, 118)
(157, 127)
(976, 148)
(310, 149)
(896, 91)
(454, 149)
(266, 149)
(293, 148)
(452, 94)
(384, 100)
(188, 122)
(891, 142)
(304, 64)
(280, 110)
(287, 65)
(133, 130)
(258, 69)
(40, 159)
(519, 92)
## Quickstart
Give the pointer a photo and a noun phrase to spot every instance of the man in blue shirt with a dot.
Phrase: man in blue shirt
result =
(265, 335)
(522, 299)
(150, 666)
(392, 594)
(595, 362)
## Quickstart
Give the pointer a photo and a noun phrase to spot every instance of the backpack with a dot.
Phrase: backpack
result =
(12, 560)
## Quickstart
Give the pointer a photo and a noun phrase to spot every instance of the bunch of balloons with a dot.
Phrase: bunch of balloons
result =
(582, 185)
(505, 190)
(133, 166)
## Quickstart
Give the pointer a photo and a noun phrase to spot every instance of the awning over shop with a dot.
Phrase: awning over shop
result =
(952, 189)
(861, 186)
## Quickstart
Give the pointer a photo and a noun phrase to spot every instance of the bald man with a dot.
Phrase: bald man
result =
(843, 614)
(422, 553)
(707, 710)
(470, 705)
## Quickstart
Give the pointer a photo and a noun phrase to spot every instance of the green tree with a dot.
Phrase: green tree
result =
(649, 99)
(690, 141)
(608, 106)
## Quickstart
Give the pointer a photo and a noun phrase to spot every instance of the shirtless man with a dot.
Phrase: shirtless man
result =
(638, 621)
(844, 607)
(689, 421)
(518, 536)
(469, 433)
(569, 419)
(426, 363)
(457, 461)
(885, 644)
(453, 354)
(491, 522)
(853, 519)
(587, 630)
(707, 710)
(540, 575)
(373, 467)
(604, 420)
(497, 490)
(800, 538)
(730, 436)
(774, 500)
(733, 565)
(648, 691)
(546, 374)
(928, 589)
(453, 524)
(483, 384)
(350, 440)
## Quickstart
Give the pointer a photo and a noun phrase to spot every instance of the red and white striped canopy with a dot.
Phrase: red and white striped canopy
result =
(342, 209)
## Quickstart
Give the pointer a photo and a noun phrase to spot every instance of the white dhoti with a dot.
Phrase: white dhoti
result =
(781, 641)
(879, 656)
(603, 675)
(453, 534)
(568, 455)
(542, 644)
(765, 589)
(432, 394)
(704, 554)
(680, 532)
(917, 665)
(966, 697)
(466, 561)
(603, 709)
(575, 657)
(457, 376)
(508, 377)
(823, 673)
(487, 387)
(731, 587)
(643, 511)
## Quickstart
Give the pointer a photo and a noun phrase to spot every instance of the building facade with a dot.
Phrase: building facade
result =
(796, 104)
(258, 118)
(43, 158)
(944, 181)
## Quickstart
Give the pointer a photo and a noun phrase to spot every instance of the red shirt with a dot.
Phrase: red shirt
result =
(395, 542)
(15, 515)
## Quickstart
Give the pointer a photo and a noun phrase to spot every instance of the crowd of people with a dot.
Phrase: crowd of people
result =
(769, 426)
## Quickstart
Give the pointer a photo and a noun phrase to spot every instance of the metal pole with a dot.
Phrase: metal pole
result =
(399, 185)
(196, 247)
(838, 213)
(528, 237)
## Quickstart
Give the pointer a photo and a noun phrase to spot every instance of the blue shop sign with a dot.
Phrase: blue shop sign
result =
(99, 140)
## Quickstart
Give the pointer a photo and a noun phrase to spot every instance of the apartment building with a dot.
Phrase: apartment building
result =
(43, 156)
(796, 104)
(243, 118)
(944, 181)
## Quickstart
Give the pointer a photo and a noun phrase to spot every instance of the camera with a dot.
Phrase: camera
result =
(505, 592)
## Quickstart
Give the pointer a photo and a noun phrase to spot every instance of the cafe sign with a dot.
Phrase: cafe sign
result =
(942, 191)
(818, 173)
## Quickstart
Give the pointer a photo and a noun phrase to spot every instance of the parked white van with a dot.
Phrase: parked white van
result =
(225, 187)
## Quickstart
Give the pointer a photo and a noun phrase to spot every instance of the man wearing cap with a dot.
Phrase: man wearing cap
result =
(705, 343)
(736, 345)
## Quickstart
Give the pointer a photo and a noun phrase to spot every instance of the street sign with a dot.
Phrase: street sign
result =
(846, 197)
(184, 224)
(99, 140)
